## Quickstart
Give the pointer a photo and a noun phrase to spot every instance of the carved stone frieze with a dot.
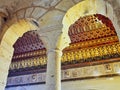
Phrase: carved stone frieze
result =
(89, 72)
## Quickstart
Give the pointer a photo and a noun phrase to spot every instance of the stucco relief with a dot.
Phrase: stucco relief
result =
(68, 74)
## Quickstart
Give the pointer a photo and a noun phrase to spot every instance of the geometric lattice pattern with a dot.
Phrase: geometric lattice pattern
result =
(28, 42)
(91, 27)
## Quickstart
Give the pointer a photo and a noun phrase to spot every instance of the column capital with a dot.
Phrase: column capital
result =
(54, 38)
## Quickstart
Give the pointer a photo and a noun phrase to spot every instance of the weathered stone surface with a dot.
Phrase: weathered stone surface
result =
(38, 12)
(45, 3)
(50, 18)
(65, 5)
(77, 1)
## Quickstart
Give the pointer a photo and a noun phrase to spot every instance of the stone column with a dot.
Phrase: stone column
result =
(55, 41)
(53, 79)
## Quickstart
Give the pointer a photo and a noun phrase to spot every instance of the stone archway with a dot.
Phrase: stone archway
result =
(64, 33)
(9, 36)
(89, 7)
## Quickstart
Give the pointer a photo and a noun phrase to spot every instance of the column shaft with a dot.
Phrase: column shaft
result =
(53, 79)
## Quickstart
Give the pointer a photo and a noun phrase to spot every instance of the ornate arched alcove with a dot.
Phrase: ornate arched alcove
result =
(93, 37)
(29, 55)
